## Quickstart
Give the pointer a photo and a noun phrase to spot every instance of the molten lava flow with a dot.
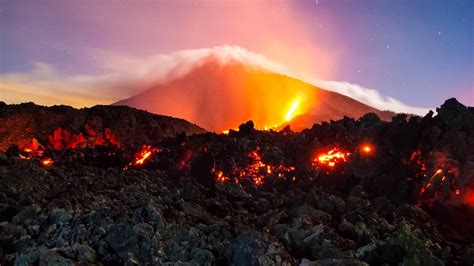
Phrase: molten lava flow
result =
(47, 162)
(256, 170)
(332, 157)
(291, 111)
(142, 156)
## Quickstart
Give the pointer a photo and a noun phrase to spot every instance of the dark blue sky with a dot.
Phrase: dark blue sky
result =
(420, 52)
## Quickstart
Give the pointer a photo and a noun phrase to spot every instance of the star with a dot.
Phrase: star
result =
(388, 46)
(439, 33)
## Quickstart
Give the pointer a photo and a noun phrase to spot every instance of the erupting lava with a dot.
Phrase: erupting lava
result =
(332, 157)
(289, 115)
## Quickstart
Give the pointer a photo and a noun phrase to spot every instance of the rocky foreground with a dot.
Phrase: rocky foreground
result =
(251, 197)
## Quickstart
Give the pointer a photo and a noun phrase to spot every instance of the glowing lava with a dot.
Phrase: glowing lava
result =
(289, 115)
(221, 177)
(142, 156)
(256, 170)
(470, 197)
(366, 149)
(332, 157)
(47, 162)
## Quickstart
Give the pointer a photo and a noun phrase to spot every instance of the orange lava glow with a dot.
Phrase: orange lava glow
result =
(47, 162)
(23, 157)
(470, 198)
(256, 170)
(291, 112)
(457, 192)
(142, 156)
(332, 157)
(221, 177)
(243, 96)
(31, 149)
(367, 149)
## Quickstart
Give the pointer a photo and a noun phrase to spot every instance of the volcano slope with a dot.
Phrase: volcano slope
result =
(220, 95)
(318, 197)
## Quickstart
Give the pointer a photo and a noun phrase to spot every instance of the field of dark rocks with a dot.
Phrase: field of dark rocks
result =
(348, 192)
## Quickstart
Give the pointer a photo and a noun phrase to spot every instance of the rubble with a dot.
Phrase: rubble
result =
(250, 197)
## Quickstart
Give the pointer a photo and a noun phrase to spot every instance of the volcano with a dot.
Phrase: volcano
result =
(220, 94)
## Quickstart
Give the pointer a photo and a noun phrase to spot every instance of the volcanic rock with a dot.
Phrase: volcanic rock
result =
(266, 199)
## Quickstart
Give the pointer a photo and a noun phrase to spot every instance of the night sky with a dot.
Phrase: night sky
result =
(419, 52)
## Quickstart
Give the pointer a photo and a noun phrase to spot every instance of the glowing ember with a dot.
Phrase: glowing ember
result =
(291, 111)
(366, 149)
(332, 157)
(221, 177)
(269, 169)
(23, 157)
(47, 162)
(457, 192)
(226, 132)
